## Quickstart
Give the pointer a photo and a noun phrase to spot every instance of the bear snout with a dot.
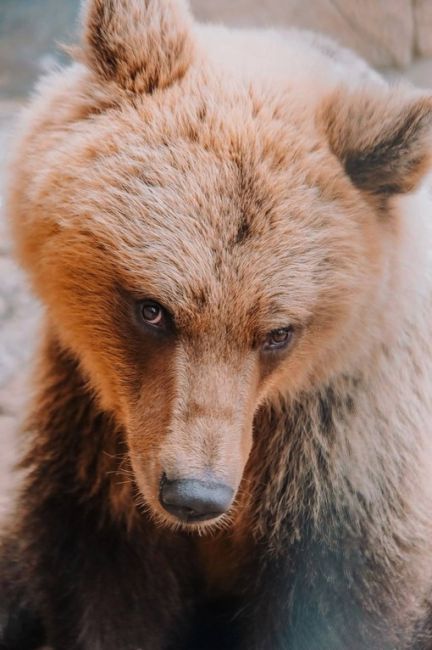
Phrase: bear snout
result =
(194, 500)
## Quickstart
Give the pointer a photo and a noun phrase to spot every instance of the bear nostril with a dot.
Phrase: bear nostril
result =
(193, 500)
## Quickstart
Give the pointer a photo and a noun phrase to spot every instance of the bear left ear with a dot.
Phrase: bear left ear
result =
(382, 137)
(139, 44)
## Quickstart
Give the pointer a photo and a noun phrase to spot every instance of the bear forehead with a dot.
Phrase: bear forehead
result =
(230, 168)
(249, 131)
(195, 197)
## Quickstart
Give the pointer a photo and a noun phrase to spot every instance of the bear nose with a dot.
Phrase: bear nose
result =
(193, 500)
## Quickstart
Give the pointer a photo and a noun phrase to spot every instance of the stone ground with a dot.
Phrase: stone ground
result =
(18, 326)
(19, 313)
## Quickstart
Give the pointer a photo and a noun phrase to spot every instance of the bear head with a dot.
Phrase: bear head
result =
(206, 242)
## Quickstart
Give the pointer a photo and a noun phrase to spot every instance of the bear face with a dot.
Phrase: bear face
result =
(204, 244)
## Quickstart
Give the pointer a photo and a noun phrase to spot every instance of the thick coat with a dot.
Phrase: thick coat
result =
(230, 232)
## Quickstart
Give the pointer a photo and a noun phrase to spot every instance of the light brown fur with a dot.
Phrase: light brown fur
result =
(244, 202)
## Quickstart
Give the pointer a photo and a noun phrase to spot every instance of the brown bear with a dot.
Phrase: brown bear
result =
(230, 444)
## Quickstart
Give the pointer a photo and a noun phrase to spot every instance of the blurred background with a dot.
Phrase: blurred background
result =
(393, 35)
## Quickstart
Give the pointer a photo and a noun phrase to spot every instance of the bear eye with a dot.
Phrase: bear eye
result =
(278, 339)
(152, 313)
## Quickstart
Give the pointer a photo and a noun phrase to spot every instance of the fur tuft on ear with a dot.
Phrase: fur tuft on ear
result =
(383, 138)
(139, 44)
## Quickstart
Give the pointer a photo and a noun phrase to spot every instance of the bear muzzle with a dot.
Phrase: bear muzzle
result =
(194, 500)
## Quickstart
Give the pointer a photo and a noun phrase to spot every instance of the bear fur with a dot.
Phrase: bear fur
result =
(259, 185)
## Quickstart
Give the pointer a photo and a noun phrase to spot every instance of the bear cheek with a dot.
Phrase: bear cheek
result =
(148, 420)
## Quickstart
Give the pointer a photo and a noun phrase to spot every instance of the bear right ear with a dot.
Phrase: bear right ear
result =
(382, 136)
(139, 44)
